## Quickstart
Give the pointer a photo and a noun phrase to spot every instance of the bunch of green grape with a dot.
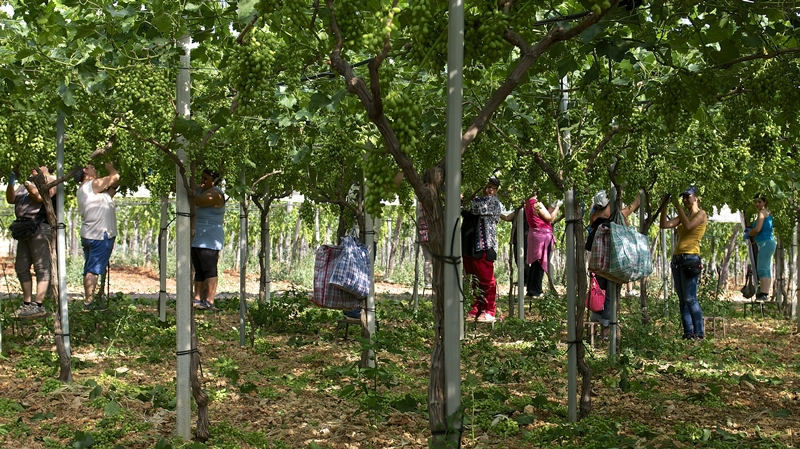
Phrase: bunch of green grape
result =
(613, 105)
(383, 25)
(143, 97)
(670, 104)
(289, 15)
(350, 17)
(765, 85)
(25, 133)
(428, 34)
(763, 139)
(379, 171)
(484, 26)
(249, 68)
(404, 113)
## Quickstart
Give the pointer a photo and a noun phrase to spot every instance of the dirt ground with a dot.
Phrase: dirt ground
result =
(764, 407)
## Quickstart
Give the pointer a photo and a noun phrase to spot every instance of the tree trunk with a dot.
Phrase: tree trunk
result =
(200, 397)
(264, 252)
(135, 238)
(395, 243)
(73, 235)
(437, 417)
(148, 245)
(64, 362)
(724, 271)
(296, 240)
(585, 403)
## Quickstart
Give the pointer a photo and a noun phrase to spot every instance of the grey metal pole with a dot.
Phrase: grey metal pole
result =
(572, 348)
(569, 205)
(612, 293)
(521, 263)
(61, 238)
(242, 263)
(162, 260)
(796, 295)
(415, 293)
(453, 310)
(664, 274)
(183, 286)
(370, 312)
(265, 242)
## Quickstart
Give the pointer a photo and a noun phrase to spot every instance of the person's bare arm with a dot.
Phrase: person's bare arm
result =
(664, 223)
(209, 198)
(509, 216)
(543, 213)
(684, 219)
(632, 207)
(757, 227)
(106, 183)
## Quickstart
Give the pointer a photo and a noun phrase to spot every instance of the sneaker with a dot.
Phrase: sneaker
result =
(203, 305)
(762, 297)
(486, 318)
(537, 295)
(35, 310)
(471, 316)
(23, 309)
(94, 306)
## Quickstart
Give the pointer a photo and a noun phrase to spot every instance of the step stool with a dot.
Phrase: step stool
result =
(758, 303)
(715, 321)
(345, 322)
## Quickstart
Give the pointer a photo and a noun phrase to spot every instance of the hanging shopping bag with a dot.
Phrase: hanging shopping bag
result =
(629, 254)
(595, 300)
(599, 257)
(351, 270)
(326, 294)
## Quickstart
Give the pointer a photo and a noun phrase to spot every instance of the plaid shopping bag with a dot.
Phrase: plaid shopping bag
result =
(598, 258)
(351, 270)
(629, 254)
(326, 294)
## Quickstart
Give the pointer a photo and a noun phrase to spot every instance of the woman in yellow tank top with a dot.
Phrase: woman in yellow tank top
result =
(686, 264)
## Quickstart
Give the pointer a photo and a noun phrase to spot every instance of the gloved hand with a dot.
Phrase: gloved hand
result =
(558, 203)
(11, 178)
(746, 234)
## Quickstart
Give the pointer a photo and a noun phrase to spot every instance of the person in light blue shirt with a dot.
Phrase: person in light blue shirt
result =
(761, 232)
(208, 239)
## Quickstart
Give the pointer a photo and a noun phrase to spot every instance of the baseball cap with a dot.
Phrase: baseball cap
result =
(78, 176)
(494, 180)
(691, 190)
(601, 199)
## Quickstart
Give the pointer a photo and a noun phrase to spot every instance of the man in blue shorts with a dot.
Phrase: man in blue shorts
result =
(99, 224)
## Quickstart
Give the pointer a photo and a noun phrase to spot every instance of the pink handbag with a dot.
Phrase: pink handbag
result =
(596, 298)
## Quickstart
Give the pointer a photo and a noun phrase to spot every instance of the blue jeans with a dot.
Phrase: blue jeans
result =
(686, 288)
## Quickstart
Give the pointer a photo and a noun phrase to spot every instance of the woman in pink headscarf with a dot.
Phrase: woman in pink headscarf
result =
(540, 241)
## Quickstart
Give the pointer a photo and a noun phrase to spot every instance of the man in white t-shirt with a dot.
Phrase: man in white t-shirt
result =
(98, 224)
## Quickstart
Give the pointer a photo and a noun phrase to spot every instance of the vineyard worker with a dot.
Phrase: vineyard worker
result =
(762, 234)
(686, 264)
(98, 224)
(540, 241)
(480, 263)
(35, 250)
(208, 239)
(601, 214)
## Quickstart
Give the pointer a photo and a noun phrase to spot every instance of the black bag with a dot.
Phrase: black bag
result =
(749, 290)
(24, 228)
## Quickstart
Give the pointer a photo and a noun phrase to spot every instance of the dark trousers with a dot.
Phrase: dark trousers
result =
(535, 277)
